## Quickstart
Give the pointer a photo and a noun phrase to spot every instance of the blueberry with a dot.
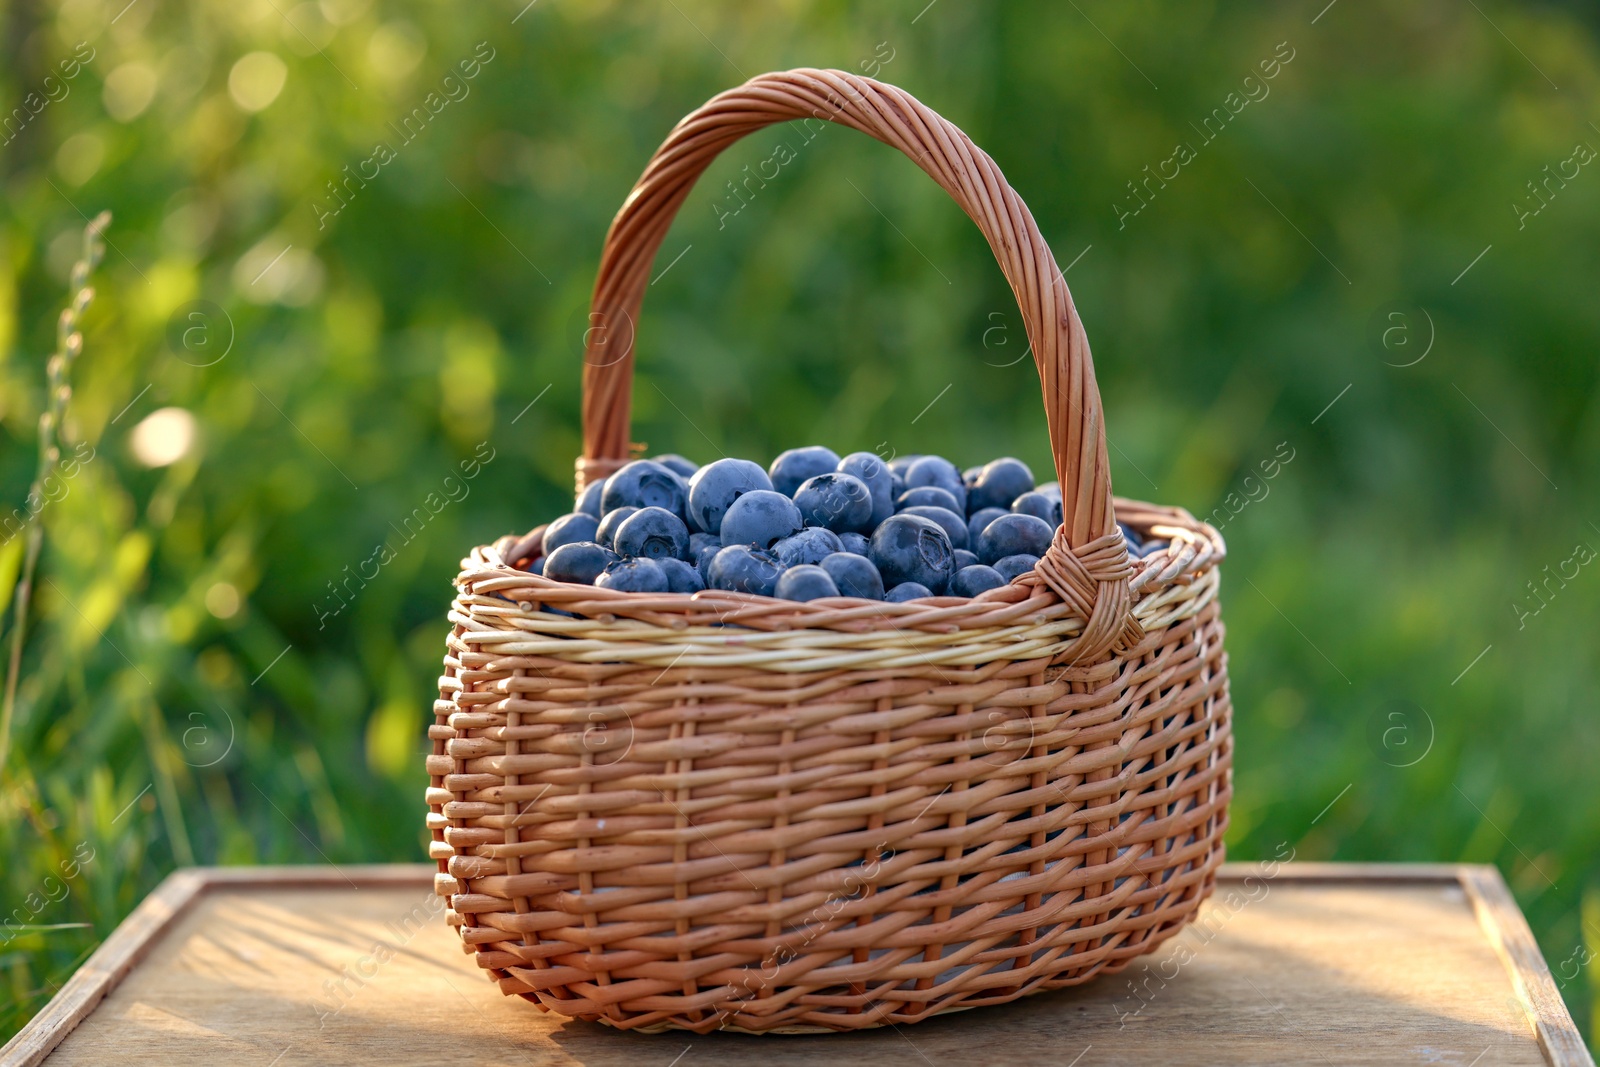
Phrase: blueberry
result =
(854, 575)
(1012, 566)
(969, 477)
(698, 541)
(897, 484)
(681, 577)
(807, 546)
(936, 470)
(981, 518)
(1011, 534)
(741, 569)
(910, 548)
(569, 530)
(907, 591)
(841, 502)
(716, 486)
(580, 563)
(875, 475)
(1039, 505)
(644, 484)
(796, 465)
(702, 560)
(1131, 536)
(964, 558)
(633, 576)
(653, 532)
(955, 527)
(999, 483)
(761, 517)
(854, 542)
(900, 464)
(683, 468)
(928, 496)
(805, 582)
(970, 581)
(536, 567)
(589, 499)
(1049, 489)
(607, 533)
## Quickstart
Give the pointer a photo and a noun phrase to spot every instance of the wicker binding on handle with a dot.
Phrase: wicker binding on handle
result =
(727, 811)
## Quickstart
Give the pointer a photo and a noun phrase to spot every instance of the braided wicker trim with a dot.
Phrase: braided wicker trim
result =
(500, 610)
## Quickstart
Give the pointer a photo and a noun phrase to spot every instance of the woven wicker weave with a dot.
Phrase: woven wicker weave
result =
(729, 811)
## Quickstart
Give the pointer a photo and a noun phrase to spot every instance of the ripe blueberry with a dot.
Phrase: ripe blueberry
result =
(981, 518)
(999, 483)
(589, 499)
(741, 569)
(1010, 534)
(928, 496)
(964, 558)
(841, 502)
(569, 530)
(1010, 567)
(633, 576)
(807, 546)
(936, 470)
(805, 582)
(1039, 505)
(681, 577)
(875, 475)
(760, 517)
(716, 486)
(900, 464)
(854, 575)
(1131, 536)
(955, 527)
(796, 465)
(607, 533)
(854, 542)
(653, 532)
(910, 548)
(907, 591)
(970, 581)
(580, 563)
(644, 484)
(703, 557)
(683, 468)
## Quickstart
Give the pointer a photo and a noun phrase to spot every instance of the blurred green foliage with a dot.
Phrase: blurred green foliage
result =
(190, 695)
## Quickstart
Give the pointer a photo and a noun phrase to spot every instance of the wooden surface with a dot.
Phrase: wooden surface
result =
(1345, 964)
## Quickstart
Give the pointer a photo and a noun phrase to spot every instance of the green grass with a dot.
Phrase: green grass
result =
(188, 692)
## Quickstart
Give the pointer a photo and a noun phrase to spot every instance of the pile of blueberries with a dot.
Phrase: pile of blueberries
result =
(810, 526)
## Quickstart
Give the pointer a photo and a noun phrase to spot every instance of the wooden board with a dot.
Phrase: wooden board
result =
(1335, 963)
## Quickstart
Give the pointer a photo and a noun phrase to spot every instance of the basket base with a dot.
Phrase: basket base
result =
(1106, 968)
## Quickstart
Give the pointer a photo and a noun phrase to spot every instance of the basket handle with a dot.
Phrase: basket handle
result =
(1091, 559)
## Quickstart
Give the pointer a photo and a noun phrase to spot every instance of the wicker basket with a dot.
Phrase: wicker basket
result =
(728, 811)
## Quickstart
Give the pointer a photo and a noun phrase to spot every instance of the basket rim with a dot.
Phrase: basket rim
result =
(1194, 548)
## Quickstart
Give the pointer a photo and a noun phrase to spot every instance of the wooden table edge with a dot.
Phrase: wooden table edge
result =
(1507, 930)
(137, 934)
(1492, 903)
